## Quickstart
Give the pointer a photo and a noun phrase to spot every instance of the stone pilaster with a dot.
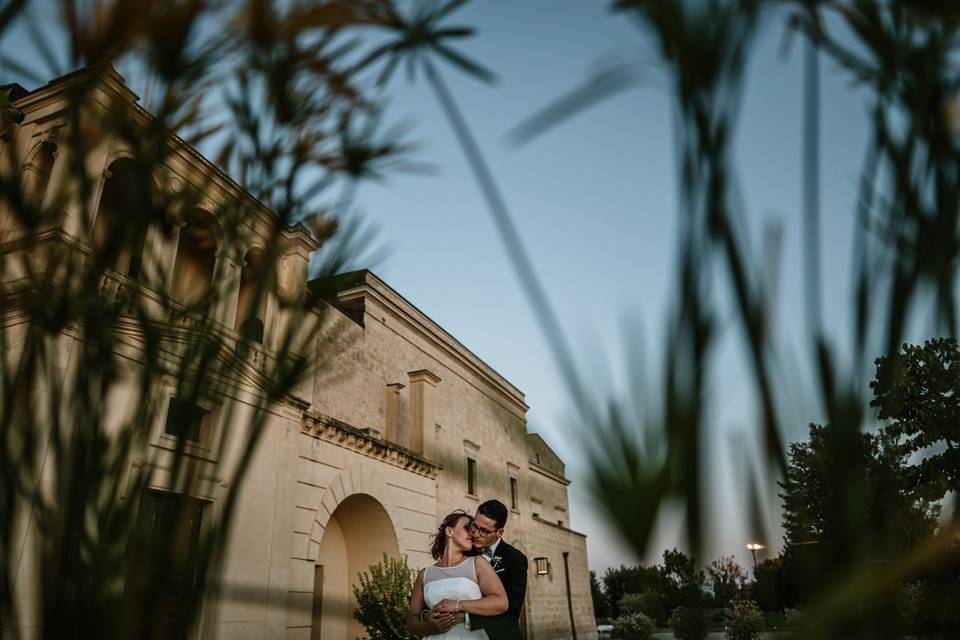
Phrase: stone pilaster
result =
(423, 386)
(392, 412)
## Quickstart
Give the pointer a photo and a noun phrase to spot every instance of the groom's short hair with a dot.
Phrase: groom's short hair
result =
(495, 510)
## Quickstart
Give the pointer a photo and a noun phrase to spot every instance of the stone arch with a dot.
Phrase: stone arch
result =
(358, 478)
(38, 168)
(354, 526)
(119, 244)
(47, 140)
(199, 244)
(251, 314)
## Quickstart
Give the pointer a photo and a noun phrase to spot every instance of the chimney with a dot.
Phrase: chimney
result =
(391, 430)
(423, 385)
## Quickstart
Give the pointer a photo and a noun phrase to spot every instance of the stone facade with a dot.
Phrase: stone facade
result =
(366, 457)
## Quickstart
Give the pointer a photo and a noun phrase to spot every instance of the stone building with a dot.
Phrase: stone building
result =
(406, 425)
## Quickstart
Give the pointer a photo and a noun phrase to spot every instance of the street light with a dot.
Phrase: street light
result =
(754, 547)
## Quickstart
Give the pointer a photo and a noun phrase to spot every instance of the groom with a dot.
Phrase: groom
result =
(510, 565)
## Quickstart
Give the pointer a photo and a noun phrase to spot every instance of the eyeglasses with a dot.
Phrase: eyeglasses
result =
(486, 532)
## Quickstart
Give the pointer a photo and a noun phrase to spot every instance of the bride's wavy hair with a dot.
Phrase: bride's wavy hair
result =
(440, 537)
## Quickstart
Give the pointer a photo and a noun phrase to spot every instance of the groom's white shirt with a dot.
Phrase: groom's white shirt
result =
(493, 548)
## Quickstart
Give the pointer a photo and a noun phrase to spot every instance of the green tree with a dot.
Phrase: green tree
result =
(620, 581)
(601, 607)
(918, 391)
(848, 506)
(728, 580)
(682, 581)
(650, 603)
(774, 587)
(875, 495)
(383, 597)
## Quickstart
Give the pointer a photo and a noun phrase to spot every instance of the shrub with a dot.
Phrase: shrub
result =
(633, 626)
(631, 603)
(744, 620)
(910, 597)
(654, 605)
(649, 603)
(792, 617)
(716, 619)
(689, 623)
(774, 620)
(383, 598)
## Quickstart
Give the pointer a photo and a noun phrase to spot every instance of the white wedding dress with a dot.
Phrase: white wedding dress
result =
(458, 582)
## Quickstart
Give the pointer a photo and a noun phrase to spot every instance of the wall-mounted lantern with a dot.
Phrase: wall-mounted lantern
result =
(543, 566)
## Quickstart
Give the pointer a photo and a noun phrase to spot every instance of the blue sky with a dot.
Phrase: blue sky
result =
(595, 202)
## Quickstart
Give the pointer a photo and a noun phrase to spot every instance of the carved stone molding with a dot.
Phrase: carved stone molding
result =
(366, 442)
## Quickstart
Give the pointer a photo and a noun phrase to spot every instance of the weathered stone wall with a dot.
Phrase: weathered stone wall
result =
(548, 495)
(477, 415)
(451, 407)
(547, 610)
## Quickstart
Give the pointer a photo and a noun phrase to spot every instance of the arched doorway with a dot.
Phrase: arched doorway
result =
(196, 258)
(356, 536)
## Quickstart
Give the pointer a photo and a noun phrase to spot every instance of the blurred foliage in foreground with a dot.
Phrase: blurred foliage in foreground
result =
(101, 328)
(877, 496)
(905, 257)
(288, 72)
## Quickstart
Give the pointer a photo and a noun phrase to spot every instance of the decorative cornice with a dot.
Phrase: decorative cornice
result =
(540, 520)
(109, 81)
(367, 286)
(424, 375)
(366, 442)
(542, 470)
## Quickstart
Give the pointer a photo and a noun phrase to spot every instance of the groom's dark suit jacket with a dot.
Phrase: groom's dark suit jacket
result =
(511, 566)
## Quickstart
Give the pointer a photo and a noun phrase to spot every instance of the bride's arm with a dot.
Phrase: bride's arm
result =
(494, 600)
(415, 624)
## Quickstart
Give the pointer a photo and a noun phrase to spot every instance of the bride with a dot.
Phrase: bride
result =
(456, 584)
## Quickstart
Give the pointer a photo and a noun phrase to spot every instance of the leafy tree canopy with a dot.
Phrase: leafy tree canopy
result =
(918, 393)
(728, 580)
(601, 607)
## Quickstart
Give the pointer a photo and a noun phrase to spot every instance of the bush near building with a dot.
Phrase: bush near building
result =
(690, 623)
(633, 626)
(383, 598)
(743, 620)
(650, 603)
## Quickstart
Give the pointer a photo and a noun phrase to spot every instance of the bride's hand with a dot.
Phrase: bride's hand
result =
(446, 606)
(441, 621)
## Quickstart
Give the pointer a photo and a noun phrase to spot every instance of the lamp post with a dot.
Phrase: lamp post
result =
(754, 547)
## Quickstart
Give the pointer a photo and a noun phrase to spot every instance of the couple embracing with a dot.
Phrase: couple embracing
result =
(476, 588)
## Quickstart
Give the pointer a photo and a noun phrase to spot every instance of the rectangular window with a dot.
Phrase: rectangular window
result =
(543, 566)
(163, 564)
(471, 476)
(185, 420)
(514, 493)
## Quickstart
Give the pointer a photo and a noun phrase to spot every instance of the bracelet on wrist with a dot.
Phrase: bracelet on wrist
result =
(457, 610)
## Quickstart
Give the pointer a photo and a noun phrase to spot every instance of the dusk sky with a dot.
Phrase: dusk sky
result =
(595, 200)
